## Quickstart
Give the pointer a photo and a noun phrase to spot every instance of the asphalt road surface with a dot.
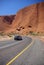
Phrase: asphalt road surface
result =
(25, 52)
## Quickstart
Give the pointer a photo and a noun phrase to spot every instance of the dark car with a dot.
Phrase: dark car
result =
(18, 38)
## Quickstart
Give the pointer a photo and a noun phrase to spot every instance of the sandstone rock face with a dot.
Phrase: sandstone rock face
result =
(30, 18)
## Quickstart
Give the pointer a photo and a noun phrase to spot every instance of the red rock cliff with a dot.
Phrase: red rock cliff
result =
(30, 18)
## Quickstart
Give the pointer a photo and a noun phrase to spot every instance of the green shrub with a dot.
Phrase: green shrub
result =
(2, 34)
(33, 33)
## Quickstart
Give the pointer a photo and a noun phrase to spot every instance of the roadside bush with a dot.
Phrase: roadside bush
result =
(9, 35)
(33, 33)
(2, 34)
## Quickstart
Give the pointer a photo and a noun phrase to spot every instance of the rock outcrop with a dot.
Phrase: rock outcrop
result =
(30, 18)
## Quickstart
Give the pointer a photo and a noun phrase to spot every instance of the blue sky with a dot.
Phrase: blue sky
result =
(9, 7)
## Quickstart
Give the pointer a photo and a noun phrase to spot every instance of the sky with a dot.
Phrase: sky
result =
(10, 7)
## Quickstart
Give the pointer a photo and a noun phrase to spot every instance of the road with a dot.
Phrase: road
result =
(25, 52)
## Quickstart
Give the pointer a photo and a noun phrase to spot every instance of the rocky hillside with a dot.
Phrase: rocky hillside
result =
(28, 19)
(6, 22)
